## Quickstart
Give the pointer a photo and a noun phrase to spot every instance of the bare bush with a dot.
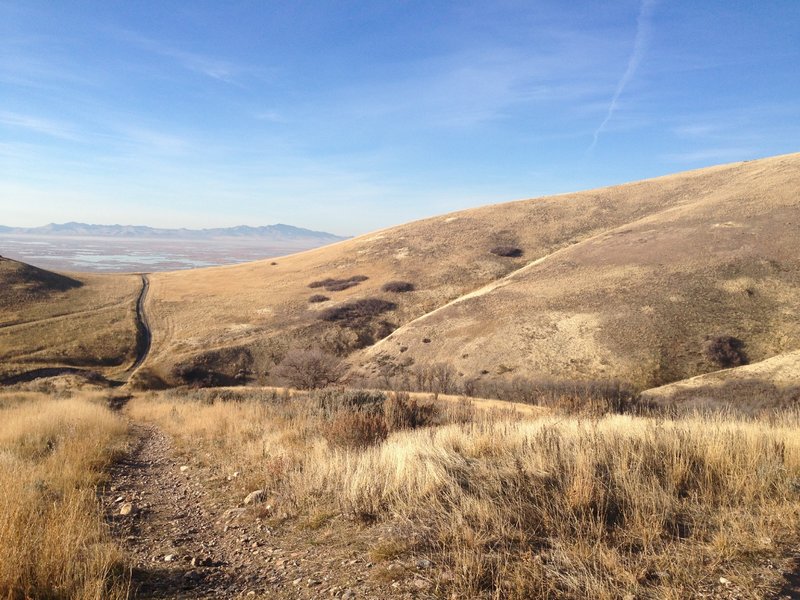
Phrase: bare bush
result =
(725, 351)
(438, 378)
(318, 298)
(398, 286)
(310, 369)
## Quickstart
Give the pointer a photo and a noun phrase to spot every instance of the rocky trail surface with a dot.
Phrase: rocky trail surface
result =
(186, 536)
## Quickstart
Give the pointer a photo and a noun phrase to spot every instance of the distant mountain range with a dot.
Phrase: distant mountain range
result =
(267, 233)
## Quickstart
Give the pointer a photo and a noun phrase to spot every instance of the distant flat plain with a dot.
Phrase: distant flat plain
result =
(125, 255)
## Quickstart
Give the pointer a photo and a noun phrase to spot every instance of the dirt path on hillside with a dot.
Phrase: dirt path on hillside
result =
(188, 535)
(144, 336)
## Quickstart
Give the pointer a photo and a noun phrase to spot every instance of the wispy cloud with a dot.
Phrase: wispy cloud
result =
(38, 125)
(221, 70)
(639, 45)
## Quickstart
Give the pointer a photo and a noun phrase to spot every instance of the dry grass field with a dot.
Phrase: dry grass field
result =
(53, 541)
(623, 282)
(73, 320)
(507, 505)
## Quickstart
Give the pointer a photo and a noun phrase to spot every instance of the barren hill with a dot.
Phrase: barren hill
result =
(624, 282)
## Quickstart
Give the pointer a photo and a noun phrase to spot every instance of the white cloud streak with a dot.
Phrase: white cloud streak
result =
(639, 44)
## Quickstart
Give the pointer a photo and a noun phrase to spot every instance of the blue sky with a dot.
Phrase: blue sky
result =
(350, 116)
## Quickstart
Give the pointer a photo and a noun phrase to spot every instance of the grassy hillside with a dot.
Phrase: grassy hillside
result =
(48, 319)
(765, 384)
(637, 302)
(623, 282)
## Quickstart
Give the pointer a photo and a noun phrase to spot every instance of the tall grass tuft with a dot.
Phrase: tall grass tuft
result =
(53, 542)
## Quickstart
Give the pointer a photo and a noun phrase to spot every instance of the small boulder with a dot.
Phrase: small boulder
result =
(126, 509)
(184, 468)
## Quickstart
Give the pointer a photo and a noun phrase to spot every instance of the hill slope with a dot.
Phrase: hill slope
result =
(53, 320)
(720, 256)
(766, 384)
(623, 282)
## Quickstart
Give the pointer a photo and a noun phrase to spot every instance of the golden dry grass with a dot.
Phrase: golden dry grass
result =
(622, 282)
(636, 302)
(510, 506)
(770, 382)
(53, 541)
(44, 324)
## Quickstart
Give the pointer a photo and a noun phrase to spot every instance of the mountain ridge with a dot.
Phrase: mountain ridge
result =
(277, 232)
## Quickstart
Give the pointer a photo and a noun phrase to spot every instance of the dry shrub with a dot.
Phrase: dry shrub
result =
(507, 251)
(725, 351)
(337, 285)
(331, 402)
(310, 369)
(402, 412)
(352, 312)
(398, 286)
(315, 298)
(53, 542)
(356, 430)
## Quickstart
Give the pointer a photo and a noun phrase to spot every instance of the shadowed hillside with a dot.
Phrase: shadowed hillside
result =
(766, 384)
(623, 282)
(23, 283)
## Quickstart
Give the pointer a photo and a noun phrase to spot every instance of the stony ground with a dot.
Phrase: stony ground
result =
(187, 538)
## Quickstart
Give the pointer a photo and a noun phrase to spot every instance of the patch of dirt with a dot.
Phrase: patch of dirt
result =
(186, 537)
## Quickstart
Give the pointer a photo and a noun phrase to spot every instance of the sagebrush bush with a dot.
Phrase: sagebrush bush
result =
(318, 298)
(403, 412)
(357, 310)
(337, 285)
(398, 286)
(356, 430)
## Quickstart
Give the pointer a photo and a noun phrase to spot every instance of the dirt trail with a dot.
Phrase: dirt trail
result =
(188, 535)
(144, 336)
(170, 535)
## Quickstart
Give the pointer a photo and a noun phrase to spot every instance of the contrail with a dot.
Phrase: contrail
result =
(642, 35)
